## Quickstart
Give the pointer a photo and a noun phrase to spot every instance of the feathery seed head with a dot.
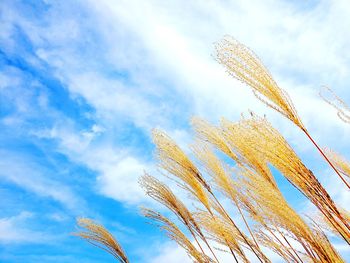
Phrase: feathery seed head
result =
(241, 63)
(162, 194)
(99, 236)
(173, 160)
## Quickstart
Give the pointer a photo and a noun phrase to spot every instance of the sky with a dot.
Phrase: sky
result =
(83, 83)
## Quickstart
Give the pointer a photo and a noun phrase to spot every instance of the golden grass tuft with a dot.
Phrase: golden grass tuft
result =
(236, 200)
(241, 63)
(99, 236)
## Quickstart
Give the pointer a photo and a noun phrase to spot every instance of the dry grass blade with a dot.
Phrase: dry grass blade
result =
(336, 102)
(174, 233)
(99, 236)
(241, 63)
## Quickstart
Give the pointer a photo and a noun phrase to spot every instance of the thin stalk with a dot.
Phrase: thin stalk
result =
(195, 238)
(333, 222)
(246, 223)
(233, 223)
(206, 242)
(283, 245)
(228, 245)
(285, 239)
(308, 251)
(325, 157)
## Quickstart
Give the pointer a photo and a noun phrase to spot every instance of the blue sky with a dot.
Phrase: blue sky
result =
(82, 84)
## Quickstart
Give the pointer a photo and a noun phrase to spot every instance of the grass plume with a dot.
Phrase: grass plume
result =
(99, 236)
(244, 65)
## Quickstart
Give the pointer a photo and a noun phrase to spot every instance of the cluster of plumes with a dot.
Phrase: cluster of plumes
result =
(336, 102)
(233, 162)
(232, 167)
(99, 236)
(241, 63)
(253, 144)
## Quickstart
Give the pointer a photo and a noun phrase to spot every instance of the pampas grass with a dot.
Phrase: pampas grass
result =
(236, 202)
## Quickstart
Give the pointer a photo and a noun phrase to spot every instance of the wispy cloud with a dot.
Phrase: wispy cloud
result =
(13, 230)
(29, 176)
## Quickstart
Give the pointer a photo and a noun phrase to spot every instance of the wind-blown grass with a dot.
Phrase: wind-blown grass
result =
(237, 204)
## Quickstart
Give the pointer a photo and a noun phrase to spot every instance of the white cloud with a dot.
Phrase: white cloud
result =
(27, 175)
(117, 169)
(170, 253)
(12, 230)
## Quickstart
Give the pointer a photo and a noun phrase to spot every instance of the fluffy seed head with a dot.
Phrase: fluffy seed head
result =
(173, 160)
(241, 63)
(99, 236)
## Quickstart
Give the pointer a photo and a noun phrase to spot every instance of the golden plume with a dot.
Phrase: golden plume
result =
(241, 63)
(99, 236)
(173, 160)
(237, 149)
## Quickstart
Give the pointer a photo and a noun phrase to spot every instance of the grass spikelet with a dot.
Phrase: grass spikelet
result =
(336, 102)
(241, 63)
(174, 233)
(99, 236)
